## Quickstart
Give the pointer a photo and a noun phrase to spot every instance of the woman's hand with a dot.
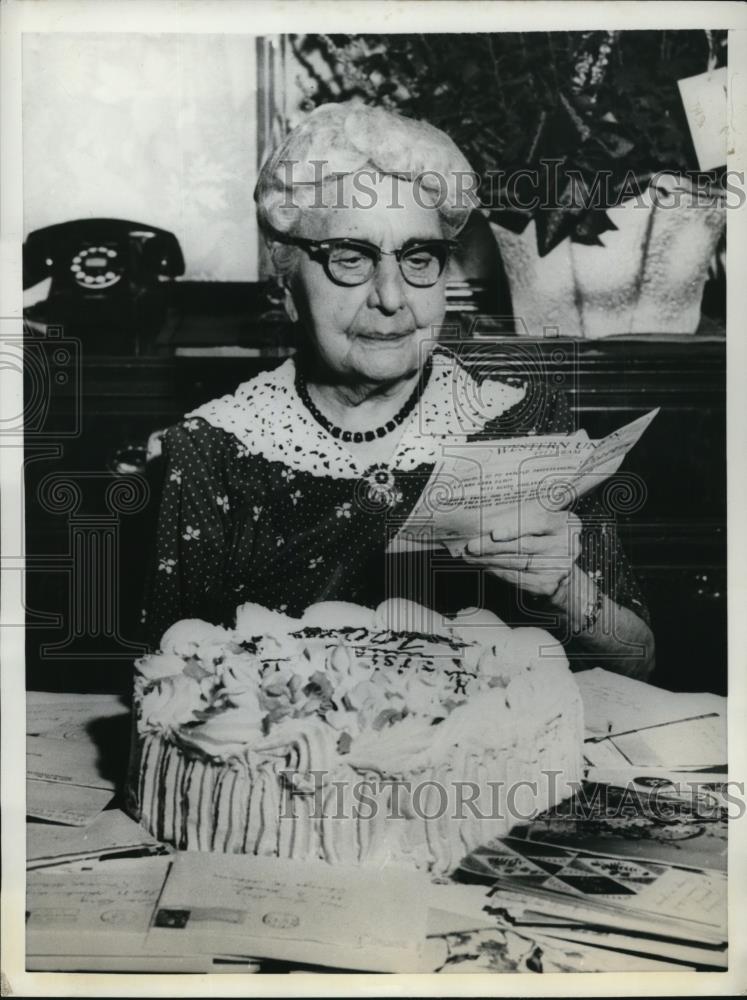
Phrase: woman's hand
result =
(534, 549)
(537, 550)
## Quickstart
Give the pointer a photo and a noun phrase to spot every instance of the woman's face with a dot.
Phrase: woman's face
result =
(371, 332)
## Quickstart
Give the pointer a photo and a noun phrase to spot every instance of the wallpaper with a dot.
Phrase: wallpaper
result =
(160, 129)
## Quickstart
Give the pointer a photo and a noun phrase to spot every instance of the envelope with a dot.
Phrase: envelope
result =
(62, 715)
(73, 805)
(104, 912)
(310, 912)
(110, 833)
(65, 761)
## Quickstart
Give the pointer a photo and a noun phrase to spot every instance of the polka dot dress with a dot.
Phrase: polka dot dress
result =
(259, 503)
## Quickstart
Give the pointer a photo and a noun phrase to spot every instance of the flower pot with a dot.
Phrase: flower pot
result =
(647, 278)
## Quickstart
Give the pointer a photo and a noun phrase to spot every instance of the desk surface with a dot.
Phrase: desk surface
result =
(98, 726)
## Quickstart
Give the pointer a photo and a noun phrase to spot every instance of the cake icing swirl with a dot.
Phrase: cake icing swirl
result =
(236, 726)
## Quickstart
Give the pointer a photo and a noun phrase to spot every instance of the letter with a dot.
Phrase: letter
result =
(318, 183)
(495, 802)
(441, 189)
(552, 785)
(661, 195)
(653, 807)
(362, 189)
(626, 807)
(460, 193)
(418, 791)
(339, 180)
(630, 189)
(396, 178)
(474, 789)
(363, 800)
(513, 813)
(288, 183)
(318, 776)
(581, 196)
(701, 183)
(512, 193)
(287, 778)
(705, 803)
(738, 191)
(493, 180)
(339, 787)
(552, 182)
(409, 641)
(396, 784)
(732, 799)
(582, 807)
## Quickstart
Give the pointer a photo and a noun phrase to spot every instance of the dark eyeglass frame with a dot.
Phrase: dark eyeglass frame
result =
(320, 251)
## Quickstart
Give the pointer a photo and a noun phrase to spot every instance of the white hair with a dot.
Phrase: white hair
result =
(302, 174)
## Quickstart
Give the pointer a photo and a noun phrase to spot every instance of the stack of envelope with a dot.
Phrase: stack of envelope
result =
(635, 863)
(103, 895)
(67, 781)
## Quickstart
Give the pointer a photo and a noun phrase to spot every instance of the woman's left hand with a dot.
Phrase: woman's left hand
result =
(535, 551)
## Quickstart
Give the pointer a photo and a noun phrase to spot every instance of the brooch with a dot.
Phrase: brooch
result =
(377, 490)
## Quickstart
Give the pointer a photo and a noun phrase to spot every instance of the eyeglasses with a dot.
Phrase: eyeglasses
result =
(354, 262)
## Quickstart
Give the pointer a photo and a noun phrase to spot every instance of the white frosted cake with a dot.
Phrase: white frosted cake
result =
(344, 737)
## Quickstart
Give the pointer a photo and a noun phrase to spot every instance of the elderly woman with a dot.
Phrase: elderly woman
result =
(288, 491)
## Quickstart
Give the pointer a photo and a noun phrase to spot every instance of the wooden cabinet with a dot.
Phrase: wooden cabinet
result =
(674, 527)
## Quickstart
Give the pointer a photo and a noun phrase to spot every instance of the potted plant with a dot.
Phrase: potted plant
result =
(583, 151)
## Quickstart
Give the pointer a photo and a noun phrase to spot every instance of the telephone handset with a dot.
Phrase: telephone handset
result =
(109, 279)
(96, 254)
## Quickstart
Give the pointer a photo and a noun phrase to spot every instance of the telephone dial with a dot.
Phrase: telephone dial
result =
(110, 281)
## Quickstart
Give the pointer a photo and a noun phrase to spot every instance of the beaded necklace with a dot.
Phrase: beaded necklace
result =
(357, 437)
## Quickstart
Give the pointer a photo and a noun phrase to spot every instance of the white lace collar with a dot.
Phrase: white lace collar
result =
(269, 419)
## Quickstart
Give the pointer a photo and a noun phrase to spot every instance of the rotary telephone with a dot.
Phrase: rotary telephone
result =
(110, 280)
